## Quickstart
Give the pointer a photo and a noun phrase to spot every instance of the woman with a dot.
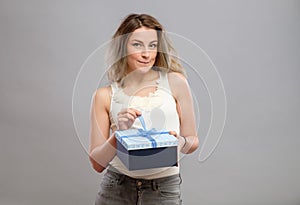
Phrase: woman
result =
(146, 79)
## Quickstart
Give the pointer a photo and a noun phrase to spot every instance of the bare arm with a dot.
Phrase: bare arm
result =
(185, 108)
(102, 147)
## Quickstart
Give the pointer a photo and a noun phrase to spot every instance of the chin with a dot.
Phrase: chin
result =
(143, 69)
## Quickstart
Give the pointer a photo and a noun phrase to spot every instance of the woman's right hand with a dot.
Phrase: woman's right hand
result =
(126, 118)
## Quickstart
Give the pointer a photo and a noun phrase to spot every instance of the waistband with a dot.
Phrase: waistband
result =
(139, 181)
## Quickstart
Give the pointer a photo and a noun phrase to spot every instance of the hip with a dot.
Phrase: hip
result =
(117, 188)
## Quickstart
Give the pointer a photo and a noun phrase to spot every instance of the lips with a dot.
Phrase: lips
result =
(143, 62)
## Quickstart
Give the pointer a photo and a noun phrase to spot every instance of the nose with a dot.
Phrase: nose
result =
(145, 53)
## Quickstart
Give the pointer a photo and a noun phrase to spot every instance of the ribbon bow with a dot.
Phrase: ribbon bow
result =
(146, 133)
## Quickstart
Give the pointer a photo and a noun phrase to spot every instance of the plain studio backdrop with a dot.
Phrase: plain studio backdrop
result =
(254, 45)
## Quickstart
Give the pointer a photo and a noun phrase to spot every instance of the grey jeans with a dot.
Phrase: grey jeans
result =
(119, 189)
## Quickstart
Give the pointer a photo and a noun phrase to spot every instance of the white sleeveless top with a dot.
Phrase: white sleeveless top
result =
(159, 111)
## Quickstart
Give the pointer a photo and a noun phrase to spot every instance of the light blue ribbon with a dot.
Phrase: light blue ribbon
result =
(146, 133)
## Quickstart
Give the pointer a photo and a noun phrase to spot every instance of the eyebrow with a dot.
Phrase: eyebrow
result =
(154, 41)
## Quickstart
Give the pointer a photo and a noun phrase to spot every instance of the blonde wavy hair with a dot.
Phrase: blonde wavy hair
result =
(166, 59)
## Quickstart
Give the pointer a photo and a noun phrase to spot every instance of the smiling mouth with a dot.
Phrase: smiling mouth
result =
(143, 62)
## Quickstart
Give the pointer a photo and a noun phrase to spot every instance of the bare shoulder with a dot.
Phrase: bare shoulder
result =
(176, 78)
(102, 96)
(103, 91)
(178, 83)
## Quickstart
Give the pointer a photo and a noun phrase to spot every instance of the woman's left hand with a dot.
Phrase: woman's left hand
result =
(181, 140)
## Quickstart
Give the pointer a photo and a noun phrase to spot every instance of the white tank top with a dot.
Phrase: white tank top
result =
(159, 111)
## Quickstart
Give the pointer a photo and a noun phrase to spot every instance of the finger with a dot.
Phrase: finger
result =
(137, 112)
(173, 133)
(133, 111)
(126, 113)
(129, 116)
(123, 119)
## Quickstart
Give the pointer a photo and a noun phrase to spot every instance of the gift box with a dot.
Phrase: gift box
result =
(144, 149)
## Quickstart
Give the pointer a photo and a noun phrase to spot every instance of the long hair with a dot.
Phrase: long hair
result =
(166, 59)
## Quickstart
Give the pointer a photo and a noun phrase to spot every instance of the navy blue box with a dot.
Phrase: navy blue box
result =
(137, 151)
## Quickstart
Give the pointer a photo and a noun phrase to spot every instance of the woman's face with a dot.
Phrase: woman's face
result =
(142, 49)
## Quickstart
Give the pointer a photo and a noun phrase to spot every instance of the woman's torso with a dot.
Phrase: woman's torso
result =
(159, 111)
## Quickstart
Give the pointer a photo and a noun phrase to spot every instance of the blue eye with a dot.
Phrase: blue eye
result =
(153, 46)
(136, 44)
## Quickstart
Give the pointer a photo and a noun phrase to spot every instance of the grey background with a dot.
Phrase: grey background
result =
(255, 46)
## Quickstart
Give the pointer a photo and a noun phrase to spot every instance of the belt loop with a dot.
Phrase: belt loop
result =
(180, 178)
(154, 185)
(121, 179)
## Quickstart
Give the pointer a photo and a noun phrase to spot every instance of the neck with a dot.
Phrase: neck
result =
(138, 77)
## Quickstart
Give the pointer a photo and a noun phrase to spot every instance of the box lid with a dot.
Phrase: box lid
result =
(134, 139)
